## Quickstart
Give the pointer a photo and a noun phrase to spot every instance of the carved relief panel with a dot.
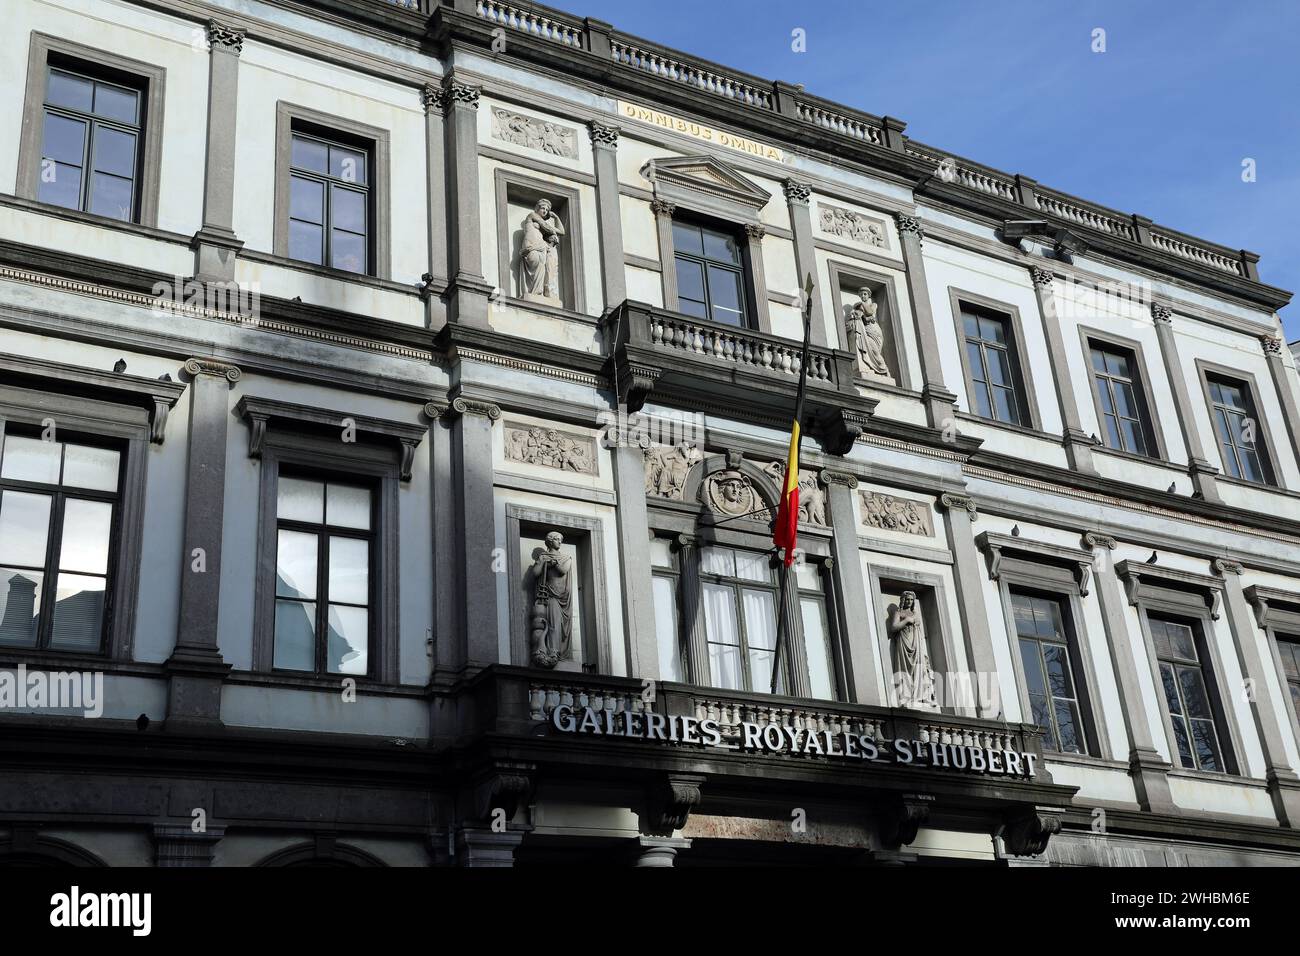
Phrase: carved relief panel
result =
(900, 515)
(551, 448)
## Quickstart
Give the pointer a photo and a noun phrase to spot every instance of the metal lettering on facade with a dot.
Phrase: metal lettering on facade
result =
(709, 134)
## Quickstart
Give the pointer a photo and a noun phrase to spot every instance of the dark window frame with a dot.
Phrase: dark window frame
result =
(743, 270)
(328, 184)
(148, 79)
(1020, 368)
(1088, 337)
(1066, 641)
(1263, 446)
(1106, 385)
(1203, 666)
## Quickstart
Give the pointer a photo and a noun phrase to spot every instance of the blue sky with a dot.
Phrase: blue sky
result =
(1158, 124)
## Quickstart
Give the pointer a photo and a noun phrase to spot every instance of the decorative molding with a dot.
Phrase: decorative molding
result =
(1271, 344)
(730, 493)
(909, 224)
(603, 134)
(812, 498)
(533, 133)
(1027, 832)
(670, 802)
(1094, 539)
(755, 231)
(1161, 314)
(965, 502)
(901, 515)
(1262, 599)
(1137, 574)
(1042, 278)
(850, 225)
(194, 367)
(551, 448)
(226, 38)
(470, 406)
(1222, 566)
(431, 98)
(459, 93)
(699, 178)
(797, 191)
(830, 477)
(902, 817)
(662, 207)
(996, 546)
(666, 468)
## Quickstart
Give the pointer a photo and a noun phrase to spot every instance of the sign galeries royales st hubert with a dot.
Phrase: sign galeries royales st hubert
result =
(774, 738)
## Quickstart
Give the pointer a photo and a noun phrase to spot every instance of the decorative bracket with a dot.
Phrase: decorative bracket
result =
(902, 817)
(1027, 832)
(670, 803)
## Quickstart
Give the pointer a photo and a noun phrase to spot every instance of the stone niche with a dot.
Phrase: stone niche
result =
(846, 285)
(889, 590)
(517, 196)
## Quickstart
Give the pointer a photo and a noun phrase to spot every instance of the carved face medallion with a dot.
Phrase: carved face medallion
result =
(729, 493)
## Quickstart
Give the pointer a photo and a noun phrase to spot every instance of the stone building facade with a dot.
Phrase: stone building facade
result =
(395, 399)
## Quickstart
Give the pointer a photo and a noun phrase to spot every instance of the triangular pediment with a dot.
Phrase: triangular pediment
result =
(708, 175)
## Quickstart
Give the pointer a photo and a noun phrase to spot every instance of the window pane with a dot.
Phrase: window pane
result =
(1024, 614)
(78, 613)
(971, 325)
(20, 606)
(1206, 743)
(116, 103)
(666, 627)
(661, 553)
(348, 165)
(85, 466)
(1035, 682)
(349, 580)
(1134, 438)
(720, 614)
(111, 196)
(1250, 466)
(308, 154)
(64, 89)
(817, 649)
(347, 506)
(717, 560)
(306, 200)
(999, 367)
(760, 631)
(983, 403)
(721, 247)
(693, 307)
(295, 635)
(1005, 405)
(1181, 642)
(1170, 685)
(348, 640)
(1059, 681)
(295, 565)
(300, 500)
(30, 459)
(1194, 697)
(114, 152)
(86, 527)
(1040, 714)
(1098, 360)
(306, 242)
(348, 209)
(807, 575)
(1125, 402)
(1067, 727)
(753, 566)
(690, 280)
(60, 185)
(347, 251)
(993, 330)
(1183, 739)
(65, 140)
(686, 238)
(24, 528)
(724, 288)
(724, 666)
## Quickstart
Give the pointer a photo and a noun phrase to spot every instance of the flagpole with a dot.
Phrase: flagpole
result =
(782, 615)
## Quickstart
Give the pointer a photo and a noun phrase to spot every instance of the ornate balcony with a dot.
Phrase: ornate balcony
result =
(662, 356)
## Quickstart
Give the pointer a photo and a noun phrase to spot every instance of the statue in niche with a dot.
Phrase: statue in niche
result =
(540, 258)
(551, 620)
(866, 335)
(910, 656)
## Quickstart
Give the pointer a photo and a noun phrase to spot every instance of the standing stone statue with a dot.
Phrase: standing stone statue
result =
(540, 260)
(552, 615)
(870, 338)
(913, 678)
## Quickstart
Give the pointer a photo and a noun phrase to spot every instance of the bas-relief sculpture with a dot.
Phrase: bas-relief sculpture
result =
(666, 467)
(532, 133)
(866, 337)
(812, 496)
(550, 448)
(730, 494)
(910, 656)
(897, 514)
(851, 225)
(551, 618)
(539, 260)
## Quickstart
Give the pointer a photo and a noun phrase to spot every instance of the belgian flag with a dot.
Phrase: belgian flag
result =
(786, 531)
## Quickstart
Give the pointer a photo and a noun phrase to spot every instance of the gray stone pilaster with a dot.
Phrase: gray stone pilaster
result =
(1148, 770)
(179, 844)
(483, 847)
(968, 578)
(216, 245)
(468, 291)
(697, 641)
(604, 148)
(475, 534)
(663, 211)
(1283, 785)
(754, 233)
(1201, 471)
(797, 196)
(196, 668)
(634, 560)
(1287, 386)
(937, 398)
(1078, 445)
(850, 605)
(435, 140)
(658, 851)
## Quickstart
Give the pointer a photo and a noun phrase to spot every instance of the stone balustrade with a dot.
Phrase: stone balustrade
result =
(738, 346)
(524, 20)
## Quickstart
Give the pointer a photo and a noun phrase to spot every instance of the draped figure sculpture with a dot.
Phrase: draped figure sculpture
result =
(865, 328)
(540, 258)
(910, 657)
(551, 619)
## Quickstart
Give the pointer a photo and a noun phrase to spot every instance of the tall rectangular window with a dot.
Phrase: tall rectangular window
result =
(91, 144)
(323, 585)
(663, 585)
(996, 379)
(739, 592)
(58, 519)
(1191, 709)
(710, 268)
(1126, 421)
(1049, 674)
(1288, 648)
(329, 203)
(1237, 424)
(816, 631)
